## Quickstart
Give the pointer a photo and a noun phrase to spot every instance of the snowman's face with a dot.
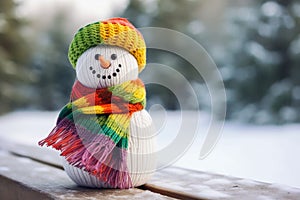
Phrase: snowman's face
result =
(104, 66)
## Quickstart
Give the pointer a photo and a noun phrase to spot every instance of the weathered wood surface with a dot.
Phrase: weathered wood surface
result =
(172, 181)
(23, 178)
(202, 185)
(44, 155)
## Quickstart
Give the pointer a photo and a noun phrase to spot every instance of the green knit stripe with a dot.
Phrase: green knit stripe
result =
(66, 112)
(103, 124)
(85, 38)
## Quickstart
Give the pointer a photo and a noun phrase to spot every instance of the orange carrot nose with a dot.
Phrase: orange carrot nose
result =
(105, 64)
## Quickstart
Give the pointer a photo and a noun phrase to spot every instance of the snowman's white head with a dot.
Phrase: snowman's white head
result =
(105, 65)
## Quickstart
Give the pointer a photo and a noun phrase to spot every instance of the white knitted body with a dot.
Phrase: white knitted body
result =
(141, 142)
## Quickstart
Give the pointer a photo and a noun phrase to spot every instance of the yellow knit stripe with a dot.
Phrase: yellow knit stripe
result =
(132, 91)
(81, 102)
(119, 123)
(126, 37)
(140, 94)
(92, 110)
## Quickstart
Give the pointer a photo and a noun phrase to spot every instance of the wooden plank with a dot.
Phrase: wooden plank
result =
(23, 178)
(182, 183)
(45, 155)
(171, 192)
(189, 184)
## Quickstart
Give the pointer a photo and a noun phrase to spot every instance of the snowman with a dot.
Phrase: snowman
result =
(104, 134)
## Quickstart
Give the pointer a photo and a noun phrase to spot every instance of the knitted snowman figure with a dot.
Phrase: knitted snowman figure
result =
(104, 134)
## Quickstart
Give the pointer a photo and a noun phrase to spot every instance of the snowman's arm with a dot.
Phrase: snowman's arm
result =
(141, 129)
(141, 159)
(141, 119)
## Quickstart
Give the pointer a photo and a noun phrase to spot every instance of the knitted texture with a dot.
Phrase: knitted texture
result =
(92, 130)
(115, 31)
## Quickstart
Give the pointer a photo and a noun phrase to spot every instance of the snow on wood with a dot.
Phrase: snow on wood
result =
(23, 178)
(203, 185)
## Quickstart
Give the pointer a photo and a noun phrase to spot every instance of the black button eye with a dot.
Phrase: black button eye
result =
(113, 56)
(97, 56)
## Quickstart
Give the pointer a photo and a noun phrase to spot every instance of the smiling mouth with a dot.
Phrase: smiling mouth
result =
(114, 74)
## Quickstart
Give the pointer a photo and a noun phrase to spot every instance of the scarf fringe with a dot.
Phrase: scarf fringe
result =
(94, 153)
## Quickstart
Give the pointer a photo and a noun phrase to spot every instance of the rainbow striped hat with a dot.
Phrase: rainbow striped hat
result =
(115, 31)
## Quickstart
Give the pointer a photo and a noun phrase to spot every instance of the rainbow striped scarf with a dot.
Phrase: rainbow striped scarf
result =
(92, 130)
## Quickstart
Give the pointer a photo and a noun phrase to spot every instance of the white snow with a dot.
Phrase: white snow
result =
(261, 153)
(4, 169)
(262, 197)
(219, 181)
(271, 9)
(212, 194)
(176, 171)
(247, 182)
(27, 127)
(24, 160)
(41, 169)
(144, 195)
(285, 188)
(199, 187)
(201, 176)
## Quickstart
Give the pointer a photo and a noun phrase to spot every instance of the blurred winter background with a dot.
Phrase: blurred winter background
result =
(255, 44)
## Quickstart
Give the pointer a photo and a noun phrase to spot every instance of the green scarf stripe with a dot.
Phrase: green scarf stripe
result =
(122, 144)
(65, 112)
(116, 137)
(99, 125)
(92, 126)
(90, 123)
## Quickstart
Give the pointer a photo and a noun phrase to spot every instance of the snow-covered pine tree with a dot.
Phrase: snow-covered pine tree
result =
(262, 65)
(14, 54)
(175, 16)
(54, 73)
